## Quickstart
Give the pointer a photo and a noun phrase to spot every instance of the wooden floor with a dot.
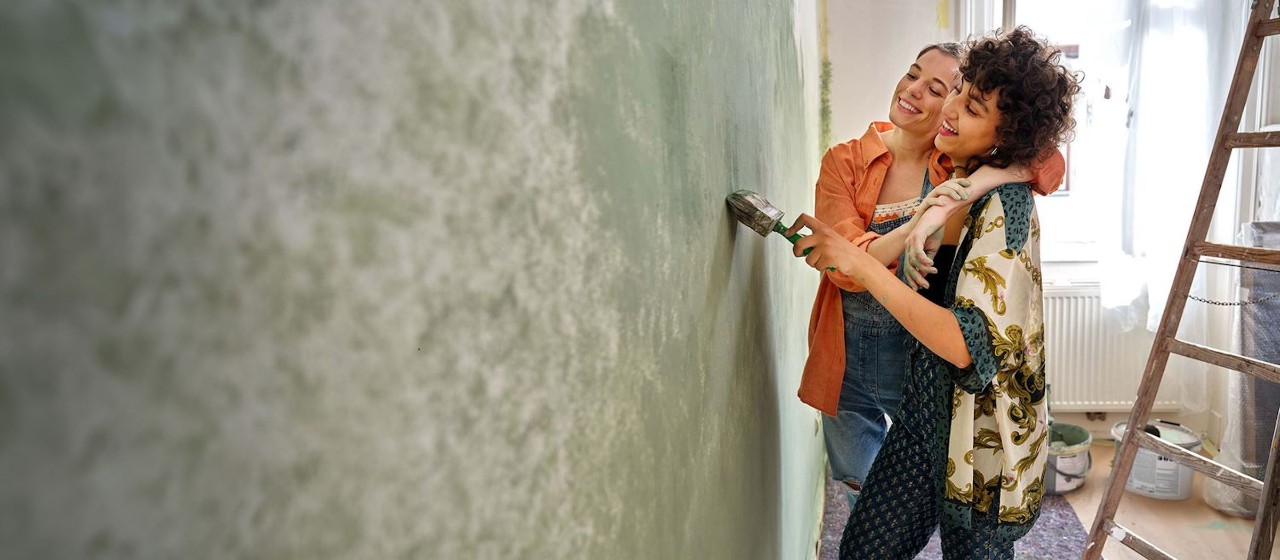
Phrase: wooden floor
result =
(1187, 529)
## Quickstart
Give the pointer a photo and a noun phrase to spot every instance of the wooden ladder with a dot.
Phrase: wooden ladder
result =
(1261, 25)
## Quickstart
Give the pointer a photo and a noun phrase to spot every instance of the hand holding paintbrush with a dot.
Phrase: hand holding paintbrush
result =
(762, 217)
(825, 247)
(758, 214)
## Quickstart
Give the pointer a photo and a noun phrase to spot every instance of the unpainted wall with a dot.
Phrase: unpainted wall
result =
(403, 280)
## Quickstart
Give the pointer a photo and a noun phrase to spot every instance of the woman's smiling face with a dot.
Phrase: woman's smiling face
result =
(969, 121)
(919, 95)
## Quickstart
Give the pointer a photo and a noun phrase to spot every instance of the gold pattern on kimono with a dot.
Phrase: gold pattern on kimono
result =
(1025, 418)
(986, 438)
(994, 225)
(1005, 445)
(1025, 464)
(991, 281)
(1026, 384)
(1032, 269)
(987, 489)
(1030, 506)
(954, 492)
(978, 224)
(1008, 348)
(984, 403)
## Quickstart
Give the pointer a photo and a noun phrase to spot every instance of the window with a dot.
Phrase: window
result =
(1096, 38)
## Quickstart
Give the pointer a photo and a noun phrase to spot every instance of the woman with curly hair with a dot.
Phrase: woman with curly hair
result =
(872, 189)
(968, 446)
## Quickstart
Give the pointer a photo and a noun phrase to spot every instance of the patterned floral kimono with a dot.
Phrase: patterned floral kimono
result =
(968, 446)
(997, 445)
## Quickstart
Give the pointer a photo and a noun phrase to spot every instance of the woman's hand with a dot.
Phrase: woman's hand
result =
(920, 248)
(824, 248)
(926, 228)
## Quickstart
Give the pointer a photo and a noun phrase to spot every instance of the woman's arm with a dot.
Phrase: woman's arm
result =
(979, 183)
(949, 197)
(887, 248)
(834, 201)
(934, 326)
(920, 241)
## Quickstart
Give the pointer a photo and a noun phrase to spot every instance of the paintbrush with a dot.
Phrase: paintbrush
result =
(756, 213)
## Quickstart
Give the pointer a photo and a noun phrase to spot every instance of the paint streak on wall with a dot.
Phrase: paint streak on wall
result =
(415, 280)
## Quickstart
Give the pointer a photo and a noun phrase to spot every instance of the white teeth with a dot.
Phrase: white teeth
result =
(907, 107)
(947, 126)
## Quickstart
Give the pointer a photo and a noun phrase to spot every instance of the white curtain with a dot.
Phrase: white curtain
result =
(1182, 58)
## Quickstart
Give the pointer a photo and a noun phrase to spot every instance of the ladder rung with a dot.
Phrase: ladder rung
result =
(1261, 24)
(1222, 473)
(1134, 542)
(1269, 27)
(1253, 140)
(1234, 252)
(1234, 362)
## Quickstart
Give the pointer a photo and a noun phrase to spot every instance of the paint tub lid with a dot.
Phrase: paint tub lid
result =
(1170, 432)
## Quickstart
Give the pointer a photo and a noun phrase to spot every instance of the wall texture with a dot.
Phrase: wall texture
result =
(403, 280)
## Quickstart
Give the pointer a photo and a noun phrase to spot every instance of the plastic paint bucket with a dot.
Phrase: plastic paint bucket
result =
(1069, 458)
(1156, 476)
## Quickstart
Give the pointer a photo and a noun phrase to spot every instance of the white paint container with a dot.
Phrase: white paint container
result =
(1069, 458)
(1157, 476)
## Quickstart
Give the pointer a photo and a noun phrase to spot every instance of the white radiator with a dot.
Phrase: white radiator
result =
(1093, 366)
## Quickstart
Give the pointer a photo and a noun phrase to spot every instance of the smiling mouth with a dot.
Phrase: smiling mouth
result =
(946, 127)
(908, 107)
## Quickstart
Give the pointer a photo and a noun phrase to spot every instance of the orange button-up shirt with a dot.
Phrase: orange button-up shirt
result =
(847, 191)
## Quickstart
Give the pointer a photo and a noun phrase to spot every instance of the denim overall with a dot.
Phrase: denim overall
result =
(875, 365)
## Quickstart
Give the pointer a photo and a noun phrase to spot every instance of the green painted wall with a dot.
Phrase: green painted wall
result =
(403, 279)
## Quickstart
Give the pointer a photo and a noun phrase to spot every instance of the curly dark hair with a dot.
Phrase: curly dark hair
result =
(1036, 93)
